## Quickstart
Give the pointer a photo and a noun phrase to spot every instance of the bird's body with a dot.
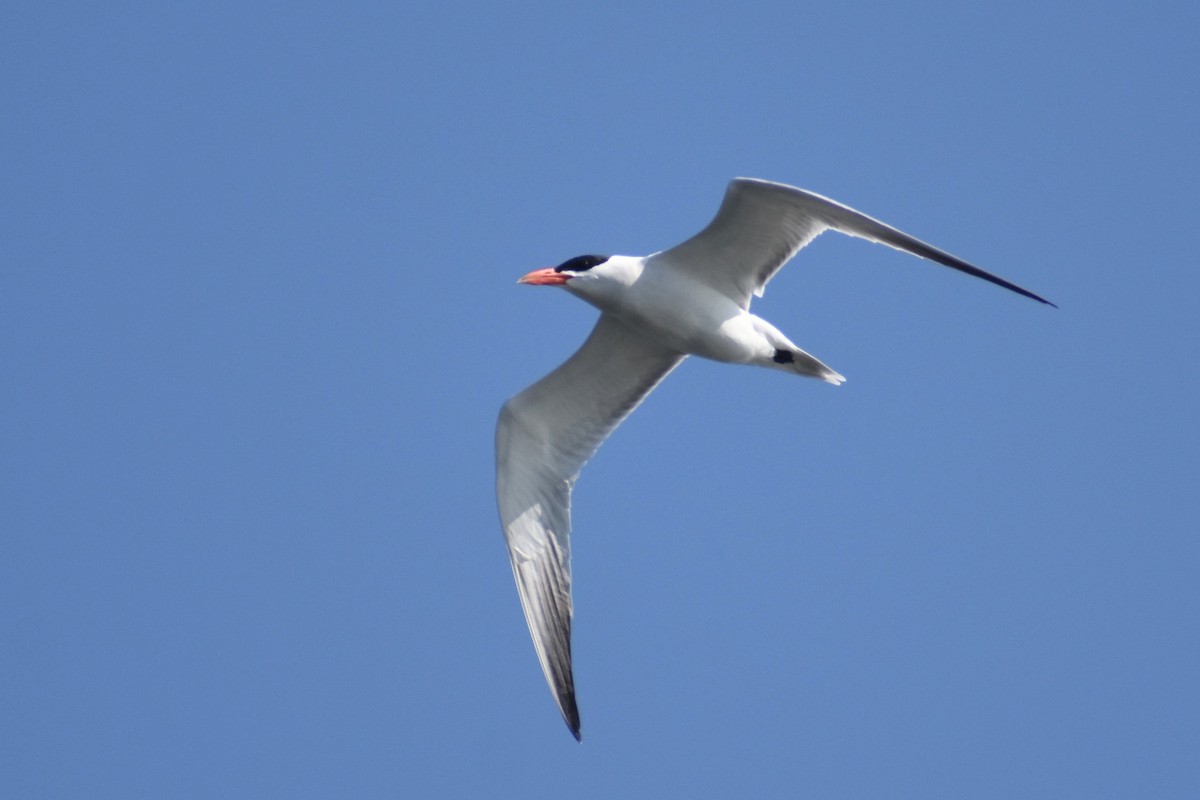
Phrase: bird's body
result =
(709, 325)
(692, 299)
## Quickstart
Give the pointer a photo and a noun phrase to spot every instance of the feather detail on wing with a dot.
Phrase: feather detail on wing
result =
(761, 225)
(544, 436)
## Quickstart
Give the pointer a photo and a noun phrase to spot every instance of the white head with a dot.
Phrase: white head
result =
(600, 280)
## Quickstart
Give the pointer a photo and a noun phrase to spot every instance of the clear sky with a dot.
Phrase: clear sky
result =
(258, 312)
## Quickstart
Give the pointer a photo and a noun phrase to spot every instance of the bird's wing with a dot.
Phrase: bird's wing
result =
(761, 225)
(544, 436)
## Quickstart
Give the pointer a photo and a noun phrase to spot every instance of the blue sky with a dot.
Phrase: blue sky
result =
(258, 312)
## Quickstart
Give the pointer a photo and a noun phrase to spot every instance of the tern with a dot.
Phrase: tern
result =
(693, 299)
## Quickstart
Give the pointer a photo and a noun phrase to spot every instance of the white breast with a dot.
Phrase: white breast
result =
(687, 315)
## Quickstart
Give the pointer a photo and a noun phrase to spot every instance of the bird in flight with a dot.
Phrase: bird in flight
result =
(693, 299)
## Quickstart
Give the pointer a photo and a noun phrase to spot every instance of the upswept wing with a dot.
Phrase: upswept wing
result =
(544, 436)
(761, 225)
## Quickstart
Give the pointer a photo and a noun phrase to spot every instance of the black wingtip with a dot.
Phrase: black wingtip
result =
(1021, 290)
(919, 248)
(1028, 294)
(1033, 296)
(996, 279)
(570, 713)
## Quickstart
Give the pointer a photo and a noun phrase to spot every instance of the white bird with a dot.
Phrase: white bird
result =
(692, 299)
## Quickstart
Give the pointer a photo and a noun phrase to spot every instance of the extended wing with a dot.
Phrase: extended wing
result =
(761, 225)
(543, 438)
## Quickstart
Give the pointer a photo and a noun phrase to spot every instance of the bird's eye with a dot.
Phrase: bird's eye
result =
(580, 263)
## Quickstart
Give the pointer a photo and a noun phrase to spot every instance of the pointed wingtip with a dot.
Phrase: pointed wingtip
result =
(987, 276)
(570, 713)
(1028, 294)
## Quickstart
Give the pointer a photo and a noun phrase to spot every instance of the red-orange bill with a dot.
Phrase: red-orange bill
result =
(544, 277)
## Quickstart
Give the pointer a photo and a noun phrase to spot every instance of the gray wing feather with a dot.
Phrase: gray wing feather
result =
(544, 436)
(761, 225)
